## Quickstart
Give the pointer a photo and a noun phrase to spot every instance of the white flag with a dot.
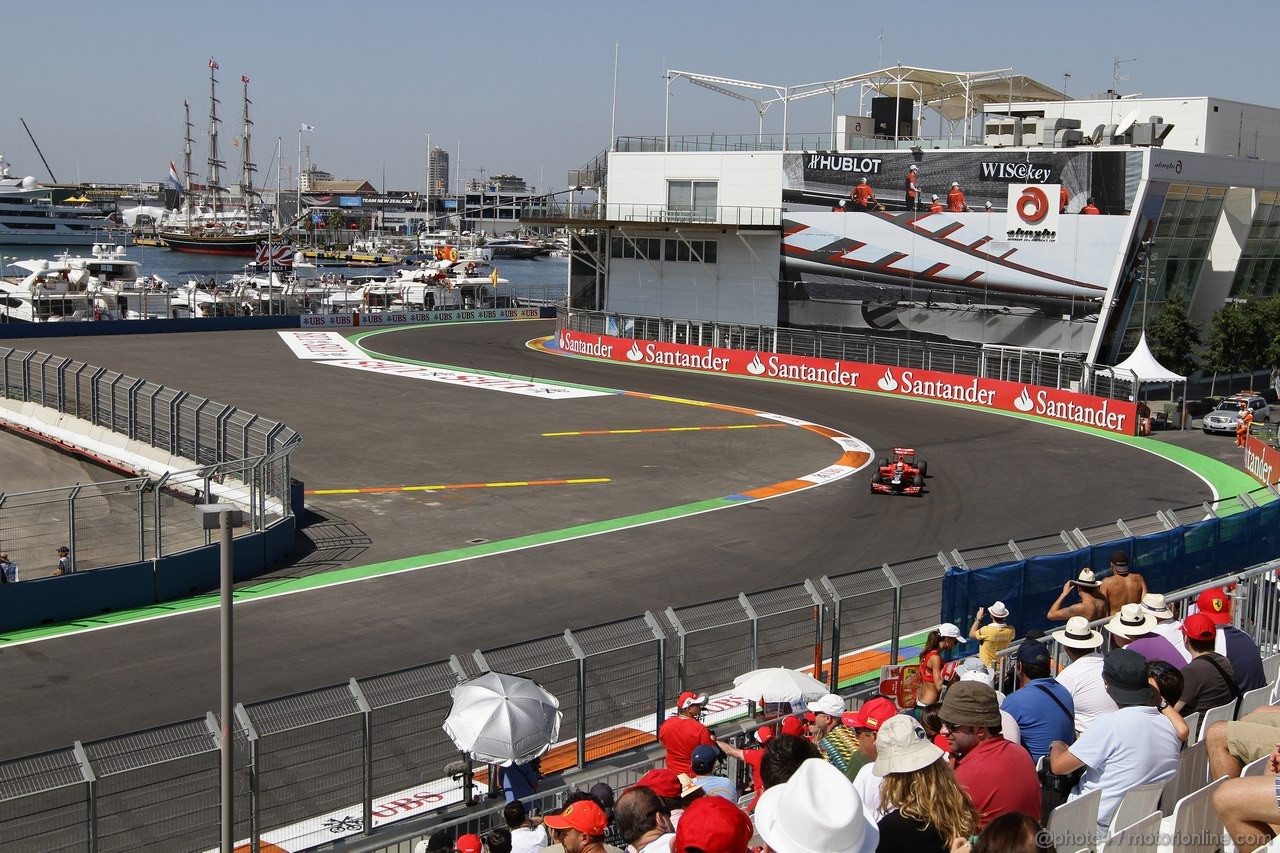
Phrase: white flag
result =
(309, 127)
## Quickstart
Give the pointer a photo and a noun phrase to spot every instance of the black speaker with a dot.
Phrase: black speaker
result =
(888, 112)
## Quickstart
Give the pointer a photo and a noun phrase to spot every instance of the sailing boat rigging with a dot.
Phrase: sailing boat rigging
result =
(219, 229)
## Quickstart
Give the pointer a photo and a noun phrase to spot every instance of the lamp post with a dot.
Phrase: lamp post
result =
(223, 517)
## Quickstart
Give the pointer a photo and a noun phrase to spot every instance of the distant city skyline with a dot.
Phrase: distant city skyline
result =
(527, 89)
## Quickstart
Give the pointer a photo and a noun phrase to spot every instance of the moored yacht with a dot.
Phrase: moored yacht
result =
(28, 216)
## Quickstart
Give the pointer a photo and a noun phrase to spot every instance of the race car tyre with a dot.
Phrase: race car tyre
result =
(919, 481)
(881, 462)
(924, 468)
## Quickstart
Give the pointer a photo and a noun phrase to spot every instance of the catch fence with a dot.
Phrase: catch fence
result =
(236, 457)
(351, 758)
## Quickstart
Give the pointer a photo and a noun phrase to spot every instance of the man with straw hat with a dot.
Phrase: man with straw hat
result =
(1083, 675)
(1133, 628)
(1092, 605)
(994, 637)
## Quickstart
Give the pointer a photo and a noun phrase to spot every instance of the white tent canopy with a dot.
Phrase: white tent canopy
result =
(1142, 364)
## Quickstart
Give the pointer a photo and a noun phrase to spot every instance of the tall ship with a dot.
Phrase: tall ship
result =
(209, 225)
(29, 216)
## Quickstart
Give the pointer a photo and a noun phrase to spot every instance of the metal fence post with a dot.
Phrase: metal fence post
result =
(894, 635)
(175, 423)
(71, 523)
(251, 736)
(133, 408)
(820, 608)
(91, 794)
(581, 735)
(157, 502)
(660, 697)
(836, 619)
(755, 629)
(94, 404)
(681, 662)
(366, 745)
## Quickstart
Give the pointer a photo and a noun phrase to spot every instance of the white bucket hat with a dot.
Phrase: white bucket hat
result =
(903, 746)
(998, 610)
(1154, 603)
(1078, 634)
(1131, 621)
(816, 811)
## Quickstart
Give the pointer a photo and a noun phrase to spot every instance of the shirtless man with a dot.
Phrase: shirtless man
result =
(1123, 586)
(1092, 604)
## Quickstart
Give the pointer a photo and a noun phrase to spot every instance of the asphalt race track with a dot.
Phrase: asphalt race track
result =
(991, 479)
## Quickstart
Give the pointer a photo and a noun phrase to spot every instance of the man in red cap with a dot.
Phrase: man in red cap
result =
(1230, 642)
(583, 824)
(713, 825)
(469, 843)
(864, 723)
(1208, 681)
(684, 732)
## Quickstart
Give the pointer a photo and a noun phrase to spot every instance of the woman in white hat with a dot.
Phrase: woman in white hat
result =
(933, 677)
(925, 808)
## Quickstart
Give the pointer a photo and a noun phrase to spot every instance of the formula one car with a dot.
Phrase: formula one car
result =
(903, 474)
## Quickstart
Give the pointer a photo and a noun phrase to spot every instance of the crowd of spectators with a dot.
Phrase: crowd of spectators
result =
(975, 768)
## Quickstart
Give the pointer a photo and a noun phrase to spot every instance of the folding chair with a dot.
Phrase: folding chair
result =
(1138, 801)
(1196, 827)
(1193, 727)
(1225, 713)
(1193, 773)
(1253, 700)
(1138, 837)
(1271, 667)
(1257, 767)
(1075, 820)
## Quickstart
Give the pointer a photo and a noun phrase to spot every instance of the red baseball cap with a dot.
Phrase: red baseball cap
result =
(583, 815)
(688, 698)
(1215, 604)
(713, 825)
(871, 715)
(1199, 626)
(663, 782)
(469, 843)
(792, 726)
(764, 735)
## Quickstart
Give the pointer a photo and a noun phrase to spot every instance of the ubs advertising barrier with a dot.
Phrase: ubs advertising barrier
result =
(1262, 461)
(1111, 415)
(403, 318)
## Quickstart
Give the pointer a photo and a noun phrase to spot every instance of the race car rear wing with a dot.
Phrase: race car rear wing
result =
(904, 451)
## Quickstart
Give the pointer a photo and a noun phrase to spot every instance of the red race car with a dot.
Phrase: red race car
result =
(903, 474)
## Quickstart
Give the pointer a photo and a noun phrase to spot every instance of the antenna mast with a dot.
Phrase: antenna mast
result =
(247, 166)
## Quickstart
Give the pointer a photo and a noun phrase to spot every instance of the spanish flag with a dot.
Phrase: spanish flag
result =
(493, 277)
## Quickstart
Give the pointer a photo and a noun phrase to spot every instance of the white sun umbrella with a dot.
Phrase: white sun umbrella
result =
(778, 684)
(499, 718)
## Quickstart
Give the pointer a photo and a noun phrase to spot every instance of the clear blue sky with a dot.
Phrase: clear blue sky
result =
(526, 88)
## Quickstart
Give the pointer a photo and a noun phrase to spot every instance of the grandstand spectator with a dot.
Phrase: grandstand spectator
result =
(1083, 675)
(1134, 628)
(713, 825)
(582, 824)
(1230, 746)
(1122, 586)
(685, 732)
(837, 743)
(1013, 832)
(1008, 725)
(498, 840)
(1167, 681)
(645, 820)
(1135, 745)
(999, 776)
(751, 756)
(793, 725)
(439, 842)
(994, 637)
(557, 835)
(934, 673)
(1232, 643)
(866, 723)
(783, 755)
(519, 780)
(603, 795)
(1043, 708)
(925, 807)
(1092, 605)
(816, 810)
(469, 843)
(704, 761)
(1208, 681)
(1167, 624)
(526, 834)
(1248, 806)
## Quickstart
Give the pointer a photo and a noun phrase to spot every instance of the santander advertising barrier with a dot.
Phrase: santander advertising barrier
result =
(1262, 461)
(1115, 416)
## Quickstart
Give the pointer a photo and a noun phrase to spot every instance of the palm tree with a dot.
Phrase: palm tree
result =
(334, 221)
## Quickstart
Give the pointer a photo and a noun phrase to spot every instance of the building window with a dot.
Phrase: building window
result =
(1259, 268)
(693, 200)
(1182, 239)
(690, 250)
(637, 248)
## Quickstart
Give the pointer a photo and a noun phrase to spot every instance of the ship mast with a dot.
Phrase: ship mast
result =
(215, 178)
(247, 166)
(187, 174)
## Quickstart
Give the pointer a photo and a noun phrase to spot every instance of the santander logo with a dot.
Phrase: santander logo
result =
(887, 382)
(756, 367)
(634, 353)
(1024, 403)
